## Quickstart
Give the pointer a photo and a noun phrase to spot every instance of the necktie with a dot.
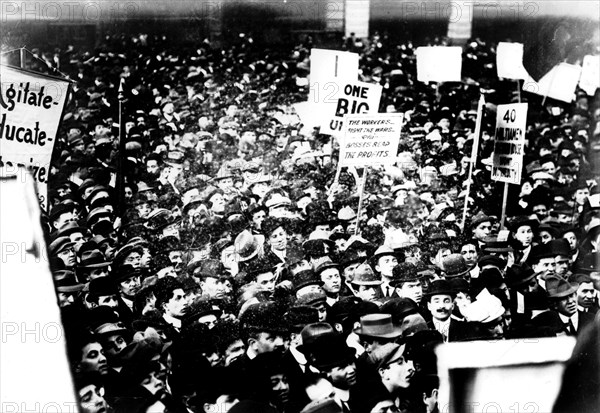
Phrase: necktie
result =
(570, 327)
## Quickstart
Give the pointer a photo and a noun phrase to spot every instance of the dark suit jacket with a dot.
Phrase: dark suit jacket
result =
(584, 320)
(296, 379)
(552, 321)
(458, 331)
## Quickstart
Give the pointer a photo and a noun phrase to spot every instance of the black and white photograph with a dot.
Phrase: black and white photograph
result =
(299, 206)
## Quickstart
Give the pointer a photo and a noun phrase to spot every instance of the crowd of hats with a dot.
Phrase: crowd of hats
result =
(229, 197)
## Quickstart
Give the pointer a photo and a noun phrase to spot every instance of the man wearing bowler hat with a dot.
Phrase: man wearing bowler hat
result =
(407, 282)
(336, 360)
(440, 303)
(383, 262)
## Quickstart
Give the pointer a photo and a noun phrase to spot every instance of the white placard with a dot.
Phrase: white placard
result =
(559, 83)
(354, 98)
(590, 74)
(370, 139)
(329, 69)
(509, 61)
(31, 107)
(509, 143)
(439, 64)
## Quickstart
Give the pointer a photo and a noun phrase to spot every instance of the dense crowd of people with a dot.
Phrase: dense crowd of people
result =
(231, 273)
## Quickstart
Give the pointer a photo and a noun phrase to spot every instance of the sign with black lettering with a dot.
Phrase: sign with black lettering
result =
(328, 70)
(370, 139)
(31, 107)
(509, 143)
(355, 98)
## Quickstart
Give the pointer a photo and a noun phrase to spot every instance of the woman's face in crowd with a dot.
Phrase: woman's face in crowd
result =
(332, 282)
(524, 235)
(366, 292)
(278, 239)
(152, 383)
(482, 230)
(93, 359)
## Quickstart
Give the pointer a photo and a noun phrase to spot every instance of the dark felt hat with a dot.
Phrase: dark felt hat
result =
(404, 272)
(93, 259)
(399, 308)
(103, 286)
(364, 275)
(493, 244)
(518, 275)
(304, 278)
(558, 287)
(331, 350)
(60, 244)
(523, 220)
(300, 315)
(560, 247)
(440, 287)
(378, 326)
(264, 316)
(455, 266)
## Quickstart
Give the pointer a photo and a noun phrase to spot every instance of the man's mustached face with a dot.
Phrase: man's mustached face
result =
(440, 307)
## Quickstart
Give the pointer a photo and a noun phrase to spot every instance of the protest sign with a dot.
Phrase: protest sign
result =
(590, 74)
(370, 139)
(355, 98)
(509, 61)
(509, 143)
(328, 70)
(559, 83)
(356, 18)
(460, 26)
(31, 109)
(439, 64)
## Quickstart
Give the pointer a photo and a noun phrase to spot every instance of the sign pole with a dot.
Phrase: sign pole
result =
(504, 198)
(473, 156)
(519, 90)
(121, 177)
(23, 57)
(361, 197)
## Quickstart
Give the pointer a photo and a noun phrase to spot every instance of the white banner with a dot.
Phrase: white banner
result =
(355, 98)
(509, 61)
(509, 143)
(31, 107)
(370, 139)
(439, 64)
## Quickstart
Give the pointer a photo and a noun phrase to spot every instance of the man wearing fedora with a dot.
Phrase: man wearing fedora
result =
(440, 303)
(564, 315)
(93, 265)
(375, 331)
(365, 283)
